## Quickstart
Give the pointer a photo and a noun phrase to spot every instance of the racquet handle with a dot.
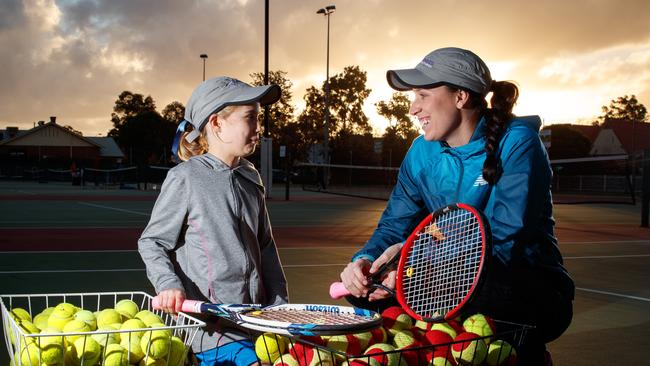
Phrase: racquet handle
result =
(188, 306)
(338, 290)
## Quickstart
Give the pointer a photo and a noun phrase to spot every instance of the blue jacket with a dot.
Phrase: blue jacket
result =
(519, 207)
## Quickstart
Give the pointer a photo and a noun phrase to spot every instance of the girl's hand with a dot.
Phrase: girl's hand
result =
(389, 279)
(354, 277)
(171, 300)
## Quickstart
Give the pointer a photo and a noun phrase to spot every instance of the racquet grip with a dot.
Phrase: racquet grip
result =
(188, 306)
(338, 290)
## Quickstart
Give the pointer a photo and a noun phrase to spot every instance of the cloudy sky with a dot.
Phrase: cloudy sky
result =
(72, 58)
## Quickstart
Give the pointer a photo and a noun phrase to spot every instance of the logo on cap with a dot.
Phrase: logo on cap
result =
(427, 62)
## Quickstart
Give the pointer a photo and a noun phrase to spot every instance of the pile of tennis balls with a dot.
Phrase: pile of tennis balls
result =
(134, 344)
(468, 341)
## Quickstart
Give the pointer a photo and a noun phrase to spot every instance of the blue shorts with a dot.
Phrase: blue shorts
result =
(238, 353)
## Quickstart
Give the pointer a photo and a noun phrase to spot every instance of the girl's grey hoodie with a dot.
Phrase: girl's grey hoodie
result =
(210, 234)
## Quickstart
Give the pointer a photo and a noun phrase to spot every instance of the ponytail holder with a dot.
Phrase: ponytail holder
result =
(177, 140)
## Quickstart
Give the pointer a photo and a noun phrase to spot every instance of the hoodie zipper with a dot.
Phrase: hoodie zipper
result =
(236, 191)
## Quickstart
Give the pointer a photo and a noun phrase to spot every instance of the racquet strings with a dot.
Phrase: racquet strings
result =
(443, 264)
(307, 317)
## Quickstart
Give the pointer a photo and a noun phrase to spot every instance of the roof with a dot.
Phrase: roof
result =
(108, 147)
(588, 131)
(633, 136)
(13, 140)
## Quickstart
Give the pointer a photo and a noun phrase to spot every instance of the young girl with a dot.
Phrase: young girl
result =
(209, 237)
(494, 161)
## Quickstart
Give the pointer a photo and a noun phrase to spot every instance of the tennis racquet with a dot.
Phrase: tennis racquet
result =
(289, 319)
(440, 265)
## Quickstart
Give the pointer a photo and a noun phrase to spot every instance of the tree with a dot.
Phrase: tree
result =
(127, 105)
(174, 112)
(73, 130)
(625, 108)
(398, 137)
(148, 137)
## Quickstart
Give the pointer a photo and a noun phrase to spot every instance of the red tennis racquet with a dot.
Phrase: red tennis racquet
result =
(440, 265)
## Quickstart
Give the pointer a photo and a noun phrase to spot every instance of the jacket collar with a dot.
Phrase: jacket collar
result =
(245, 168)
(476, 144)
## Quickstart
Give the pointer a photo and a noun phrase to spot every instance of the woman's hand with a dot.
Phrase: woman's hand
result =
(354, 277)
(389, 279)
(171, 300)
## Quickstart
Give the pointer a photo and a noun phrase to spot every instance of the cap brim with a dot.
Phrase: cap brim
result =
(407, 79)
(264, 95)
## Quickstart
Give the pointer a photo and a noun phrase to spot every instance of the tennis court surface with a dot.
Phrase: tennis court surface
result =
(58, 238)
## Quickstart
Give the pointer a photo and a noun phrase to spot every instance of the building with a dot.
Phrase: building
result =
(622, 137)
(52, 146)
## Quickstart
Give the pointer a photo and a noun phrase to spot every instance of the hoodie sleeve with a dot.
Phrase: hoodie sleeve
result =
(161, 235)
(404, 210)
(273, 276)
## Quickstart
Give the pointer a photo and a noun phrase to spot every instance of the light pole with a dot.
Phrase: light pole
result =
(327, 11)
(203, 56)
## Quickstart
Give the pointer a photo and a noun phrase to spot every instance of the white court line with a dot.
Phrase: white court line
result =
(113, 208)
(142, 269)
(613, 294)
(610, 256)
(604, 242)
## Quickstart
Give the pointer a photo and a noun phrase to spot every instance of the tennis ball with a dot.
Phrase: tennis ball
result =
(269, 346)
(501, 353)
(481, 325)
(364, 339)
(108, 317)
(344, 343)
(440, 340)
(40, 320)
(66, 307)
(52, 347)
(134, 323)
(379, 335)
(115, 355)
(445, 327)
(441, 360)
(75, 326)
(396, 319)
(127, 308)
(104, 339)
(29, 355)
(20, 314)
(177, 352)
(132, 345)
(150, 361)
(307, 355)
(423, 325)
(156, 343)
(286, 360)
(469, 349)
(148, 317)
(60, 316)
(29, 328)
(85, 351)
(404, 338)
(87, 317)
(383, 353)
(361, 361)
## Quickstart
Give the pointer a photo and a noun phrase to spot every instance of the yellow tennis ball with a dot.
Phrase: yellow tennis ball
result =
(128, 308)
(150, 361)
(20, 314)
(60, 316)
(149, 318)
(104, 339)
(444, 327)
(87, 317)
(404, 338)
(132, 345)
(108, 317)
(364, 339)
(383, 353)
(346, 344)
(501, 353)
(75, 326)
(156, 343)
(481, 325)
(116, 355)
(132, 324)
(40, 320)
(85, 351)
(29, 355)
(52, 347)
(468, 349)
(269, 346)
(177, 352)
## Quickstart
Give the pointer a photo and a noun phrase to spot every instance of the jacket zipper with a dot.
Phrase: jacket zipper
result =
(236, 195)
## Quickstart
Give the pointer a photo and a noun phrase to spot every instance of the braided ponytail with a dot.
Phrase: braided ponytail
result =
(503, 99)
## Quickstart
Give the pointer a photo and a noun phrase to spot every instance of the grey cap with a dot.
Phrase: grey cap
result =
(215, 94)
(450, 65)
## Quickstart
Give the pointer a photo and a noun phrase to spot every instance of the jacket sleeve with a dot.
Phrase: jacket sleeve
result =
(404, 210)
(521, 201)
(275, 282)
(161, 235)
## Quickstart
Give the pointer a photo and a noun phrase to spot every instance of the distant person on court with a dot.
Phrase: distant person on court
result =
(209, 237)
(486, 157)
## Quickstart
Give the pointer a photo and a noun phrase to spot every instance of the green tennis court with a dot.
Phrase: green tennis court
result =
(56, 238)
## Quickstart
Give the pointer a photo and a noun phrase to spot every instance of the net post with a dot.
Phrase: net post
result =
(645, 200)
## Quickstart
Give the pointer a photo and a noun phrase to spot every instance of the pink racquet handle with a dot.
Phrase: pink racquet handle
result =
(338, 290)
(189, 306)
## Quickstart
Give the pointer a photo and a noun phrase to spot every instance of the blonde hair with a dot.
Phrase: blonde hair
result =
(200, 145)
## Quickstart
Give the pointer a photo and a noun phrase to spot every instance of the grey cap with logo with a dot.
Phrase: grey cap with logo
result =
(450, 65)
